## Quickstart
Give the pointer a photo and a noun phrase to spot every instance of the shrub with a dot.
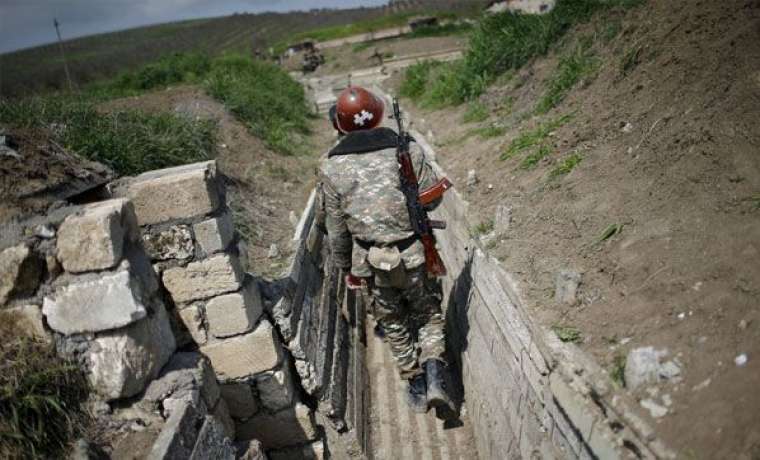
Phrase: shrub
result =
(416, 78)
(40, 397)
(567, 165)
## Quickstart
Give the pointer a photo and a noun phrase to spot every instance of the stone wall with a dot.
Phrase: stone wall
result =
(528, 394)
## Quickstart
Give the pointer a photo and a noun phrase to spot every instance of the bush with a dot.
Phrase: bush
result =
(40, 397)
(263, 96)
(130, 142)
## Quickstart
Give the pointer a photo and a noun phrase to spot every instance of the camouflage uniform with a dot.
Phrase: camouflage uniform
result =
(364, 206)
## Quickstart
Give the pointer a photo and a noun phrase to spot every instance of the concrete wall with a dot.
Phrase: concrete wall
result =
(528, 394)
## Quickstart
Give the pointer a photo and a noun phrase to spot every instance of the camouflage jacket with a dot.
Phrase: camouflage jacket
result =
(363, 200)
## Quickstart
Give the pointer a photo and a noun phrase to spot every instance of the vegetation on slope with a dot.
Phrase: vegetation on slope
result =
(40, 397)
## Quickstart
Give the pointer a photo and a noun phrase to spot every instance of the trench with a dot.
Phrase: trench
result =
(521, 392)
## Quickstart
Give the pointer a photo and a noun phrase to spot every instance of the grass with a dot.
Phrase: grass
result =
(504, 42)
(618, 370)
(487, 132)
(533, 138)
(631, 60)
(452, 28)
(361, 46)
(566, 165)
(532, 160)
(130, 142)
(40, 397)
(476, 112)
(571, 69)
(483, 228)
(567, 334)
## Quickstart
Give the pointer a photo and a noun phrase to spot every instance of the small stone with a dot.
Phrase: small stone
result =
(250, 450)
(293, 218)
(643, 366)
(274, 251)
(20, 272)
(472, 178)
(175, 242)
(490, 187)
(743, 324)
(702, 385)
(741, 360)
(566, 285)
(214, 235)
(655, 410)
(681, 315)
(626, 127)
(44, 231)
(502, 220)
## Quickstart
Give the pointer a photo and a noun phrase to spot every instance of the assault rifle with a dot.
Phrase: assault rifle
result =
(416, 200)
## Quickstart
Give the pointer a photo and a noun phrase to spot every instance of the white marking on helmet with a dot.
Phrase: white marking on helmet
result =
(363, 116)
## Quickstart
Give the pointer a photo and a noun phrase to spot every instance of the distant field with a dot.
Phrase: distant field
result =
(102, 56)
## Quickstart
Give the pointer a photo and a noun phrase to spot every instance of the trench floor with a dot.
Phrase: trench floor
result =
(398, 433)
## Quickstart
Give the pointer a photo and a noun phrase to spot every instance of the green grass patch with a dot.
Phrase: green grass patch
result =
(416, 79)
(532, 160)
(572, 67)
(483, 228)
(130, 142)
(476, 112)
(617, 373)
(361, 46)
(533, 138)
(566, 165)
(487, 132)
(567, 334)
(40, 397)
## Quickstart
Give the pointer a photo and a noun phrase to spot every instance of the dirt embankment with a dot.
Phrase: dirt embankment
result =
(669, 144)
(264, 187)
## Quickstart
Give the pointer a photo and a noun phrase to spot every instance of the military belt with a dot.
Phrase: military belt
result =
(402, 245)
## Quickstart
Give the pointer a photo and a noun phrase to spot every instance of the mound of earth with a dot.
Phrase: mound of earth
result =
(660, 218)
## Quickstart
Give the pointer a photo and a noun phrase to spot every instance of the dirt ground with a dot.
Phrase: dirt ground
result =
(670, 153)
(264, 187)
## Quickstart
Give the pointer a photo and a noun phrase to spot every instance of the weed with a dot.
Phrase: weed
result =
(567, 334)
(609, 232)
(610, 30)
(361, 46)
(452, 28)
(618, 370)
(40, 397)
(476, 112)
(534, 137)
(567, 165)
(532, 160)
(631, 59)
(416, 79)
(487, 132)
(571, 68)
(483, 228)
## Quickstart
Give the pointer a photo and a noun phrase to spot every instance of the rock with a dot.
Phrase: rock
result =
(643, 365)
(274, 251)
(8, 147)
(122, 362)
(242, 253)
(214, 235)
(236, 313)
(285, 428)
(276, 390)
(45, 232)
(293, 218)
(210, 277)
(193, 319)
(655, 410)
(20, 272)
(743, 325)
(502, 220)
(175, 242)
(472, 178)
(240, 400)
(93, 237)
(626, 127)
(97, 303)
(185, 372)
(179, 434)
(245, 355)
(741, 360)
(566, 286)
(250, 450)
(30, 322)
(182, 192)
(212, 442)
(222, 413)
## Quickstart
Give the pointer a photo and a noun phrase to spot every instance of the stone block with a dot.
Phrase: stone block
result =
(236, 313)
(123, 361)
(212, 442)
(276, 389)
(240, 400)
(181, 192)
(96, 304)
(222, 413)
(214, 235)
(175, 242)
(245, 355)
(186, 372)
(178, 436)
(207, 278)
(29, 321)
(193, 319)
(20, 272)
(285, 428)
(93, 237)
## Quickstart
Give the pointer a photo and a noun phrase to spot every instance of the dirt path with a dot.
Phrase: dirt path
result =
(263, 188)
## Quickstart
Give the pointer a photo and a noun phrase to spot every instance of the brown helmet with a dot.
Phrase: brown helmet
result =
(358, 109)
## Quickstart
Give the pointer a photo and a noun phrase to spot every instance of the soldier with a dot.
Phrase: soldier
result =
(371, 238)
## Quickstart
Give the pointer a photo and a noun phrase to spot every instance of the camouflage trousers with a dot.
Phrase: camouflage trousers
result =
(412, 320)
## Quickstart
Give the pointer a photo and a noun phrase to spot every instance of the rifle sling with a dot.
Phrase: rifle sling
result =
(365, 141)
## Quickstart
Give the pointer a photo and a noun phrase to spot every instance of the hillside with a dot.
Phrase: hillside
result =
(105, 55)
